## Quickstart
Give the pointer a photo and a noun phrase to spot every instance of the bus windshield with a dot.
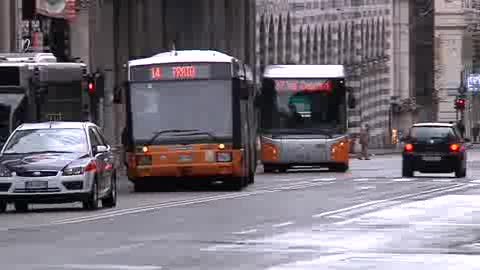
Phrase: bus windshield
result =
(303, 106)
(205, 105)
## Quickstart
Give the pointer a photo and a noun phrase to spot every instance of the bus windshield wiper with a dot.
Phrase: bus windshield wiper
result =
(198, 133)
(161, 132)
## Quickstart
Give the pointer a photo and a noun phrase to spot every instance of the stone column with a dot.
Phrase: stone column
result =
(449, 29)
(6, 34)
(80, 37)
(105, 57)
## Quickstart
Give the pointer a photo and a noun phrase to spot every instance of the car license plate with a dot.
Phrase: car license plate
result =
(36, 185)
(431, 158)
(185, 158)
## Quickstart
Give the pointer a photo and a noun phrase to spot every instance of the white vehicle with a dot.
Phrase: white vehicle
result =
(57, 162)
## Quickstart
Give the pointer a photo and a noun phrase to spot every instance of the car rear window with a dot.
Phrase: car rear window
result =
(432, 133)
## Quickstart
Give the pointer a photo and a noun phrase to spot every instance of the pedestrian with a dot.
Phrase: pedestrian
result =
(364, 140)
(461, 128)
(476, 131)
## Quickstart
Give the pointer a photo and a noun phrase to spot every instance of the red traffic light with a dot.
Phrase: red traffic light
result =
(460, 103)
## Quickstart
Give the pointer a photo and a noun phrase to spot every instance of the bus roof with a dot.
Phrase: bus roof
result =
(185, 56)
(304, 71)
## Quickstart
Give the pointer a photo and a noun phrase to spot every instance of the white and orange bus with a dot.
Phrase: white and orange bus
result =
(190, 114)
(304, 117)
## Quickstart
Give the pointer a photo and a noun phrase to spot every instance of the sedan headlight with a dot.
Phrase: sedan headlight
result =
(5, 172)
(79, 168)
(224, 157)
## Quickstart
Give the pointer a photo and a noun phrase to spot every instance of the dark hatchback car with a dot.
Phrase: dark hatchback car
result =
(434, 148)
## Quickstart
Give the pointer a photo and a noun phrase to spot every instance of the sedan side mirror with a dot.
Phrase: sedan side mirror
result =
(101, 149)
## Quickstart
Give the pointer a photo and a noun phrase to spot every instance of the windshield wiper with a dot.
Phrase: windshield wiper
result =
(158, 133)
(198, 133)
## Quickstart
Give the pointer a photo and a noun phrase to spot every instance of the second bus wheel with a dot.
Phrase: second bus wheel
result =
(340, 167)
(268, 169)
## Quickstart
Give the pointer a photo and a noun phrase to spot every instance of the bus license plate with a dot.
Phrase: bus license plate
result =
(431, 158)
(185, 158)
(36, 185)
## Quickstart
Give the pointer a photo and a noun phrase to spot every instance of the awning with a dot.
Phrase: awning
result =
(11, 100)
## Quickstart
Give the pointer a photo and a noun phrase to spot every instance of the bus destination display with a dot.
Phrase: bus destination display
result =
(180, 71)
(304, 85)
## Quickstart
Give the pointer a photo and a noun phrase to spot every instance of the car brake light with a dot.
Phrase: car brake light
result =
(408, 147)
(91, 166)
(454, 147)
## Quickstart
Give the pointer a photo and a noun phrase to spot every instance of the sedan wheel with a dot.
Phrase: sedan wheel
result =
(111, 200)
(92, 202)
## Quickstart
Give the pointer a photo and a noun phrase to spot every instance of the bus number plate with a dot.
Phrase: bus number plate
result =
(185, 158)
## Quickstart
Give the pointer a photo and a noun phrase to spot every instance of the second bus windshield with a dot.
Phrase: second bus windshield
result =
(205, 105)
(303, 105)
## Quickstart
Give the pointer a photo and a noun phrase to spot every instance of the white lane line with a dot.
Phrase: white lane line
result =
(119, 249)
(403, 179)
(376, 202)
(442, 180)
(291, 179)
(284, 224)
(366, 187)
(246, 232)
(444, 224)
(475, 181)
(328, 213)
(361, 179)
(108, 267)
(323, 179)
(413, 196)
(153, 207)
(336, 217)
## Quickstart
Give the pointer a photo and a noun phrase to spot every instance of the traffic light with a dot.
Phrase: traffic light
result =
(460, 103)
(91, 85)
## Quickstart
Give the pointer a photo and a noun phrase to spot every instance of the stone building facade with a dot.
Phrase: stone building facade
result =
(366, 36)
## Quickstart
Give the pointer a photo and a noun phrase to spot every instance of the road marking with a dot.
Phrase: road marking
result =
(324, 179)
(366, 187)
(475, 181)
(336, 217)
(377, 202)
(108, 267)
(246, 232)
(403, 179)
(442, 180)
(451, 188)
(328, 213)
(119, 249)
(153, 207)
(444, 224)
(361, 179)
(283, 224)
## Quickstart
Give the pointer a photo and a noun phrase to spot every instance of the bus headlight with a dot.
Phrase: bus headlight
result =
(224, 157)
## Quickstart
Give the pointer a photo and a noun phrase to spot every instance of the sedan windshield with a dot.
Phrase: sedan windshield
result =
(47, 140)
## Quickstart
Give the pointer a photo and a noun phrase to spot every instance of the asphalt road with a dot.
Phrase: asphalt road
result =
(368, 218)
